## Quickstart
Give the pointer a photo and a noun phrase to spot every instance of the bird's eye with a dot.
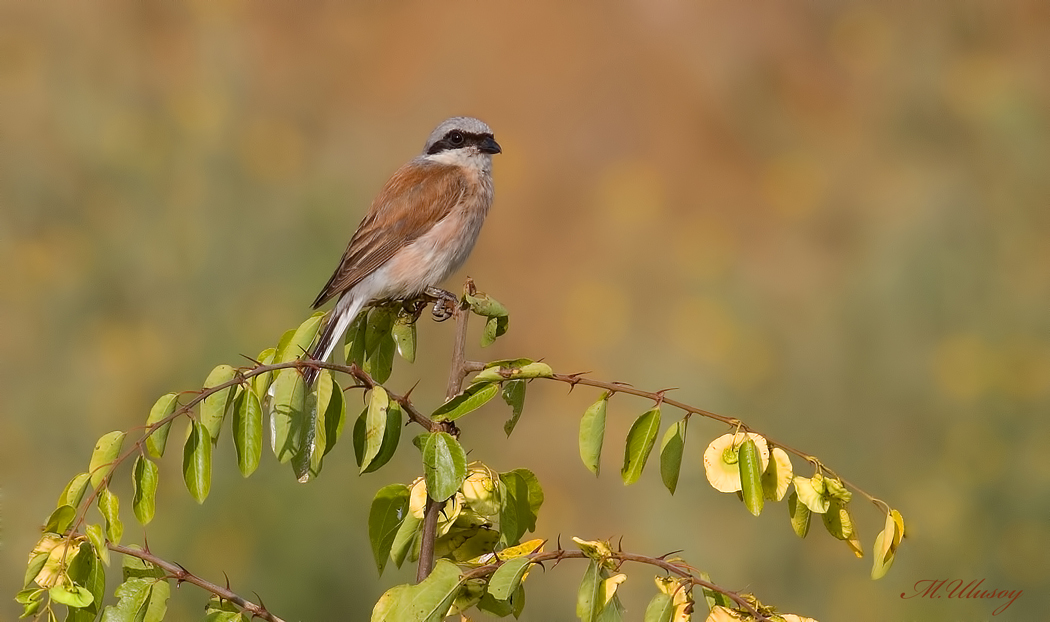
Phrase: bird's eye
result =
(456, 138)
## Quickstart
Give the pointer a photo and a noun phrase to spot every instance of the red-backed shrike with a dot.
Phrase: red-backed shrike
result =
(419, 229)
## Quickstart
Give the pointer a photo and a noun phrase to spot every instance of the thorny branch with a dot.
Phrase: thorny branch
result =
(455, 383)
(678, 568)
(659, 396)
(460, 369)
(180, 574)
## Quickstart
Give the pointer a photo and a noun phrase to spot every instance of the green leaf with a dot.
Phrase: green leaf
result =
(495, 327)
(799, 514)
(60, 519)
(379, 344)
(751, 476)
(247, 431)
(427, 601)
(713, 598)
(306, 461)
(375, 426)
(671, 449)
(29, 595)
(261, 382)
(380, 322)
(73, 493)
(135, 568)
(106, 451)
(497, 321)
(407, 538)
(71, 595)
(287, 414)
(213, 408)
(505, 581)
(513, 369)
(388, 512)
(162, 409)
(160, 591)
(359, 436)
(588, 598)
(97, 538)
(640, 442)
(134, 595)
(295, 343)
(87, 571)
(389, 607)
(404, 334)
(472, 398)
(592, 434)
(31, 600)
(380, 363)
(444, 465)
(144, 481)
(334, 417)
(318, 401)
(501, 608)
(482, 304)
(152, 578)
(514, 396)
(520, 499)
(837, 520)
(196, 461)
(355, 340)
(660, 609)
(224, 616)
(391, 438)
(109, 506)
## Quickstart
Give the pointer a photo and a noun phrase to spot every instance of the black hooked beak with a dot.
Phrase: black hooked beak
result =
(489, 145)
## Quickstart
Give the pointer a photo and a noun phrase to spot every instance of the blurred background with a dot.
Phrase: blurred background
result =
(831, 220)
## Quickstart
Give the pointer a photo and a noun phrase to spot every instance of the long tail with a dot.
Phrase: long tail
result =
(332, 334)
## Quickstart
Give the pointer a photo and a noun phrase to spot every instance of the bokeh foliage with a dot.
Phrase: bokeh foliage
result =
(829, 218)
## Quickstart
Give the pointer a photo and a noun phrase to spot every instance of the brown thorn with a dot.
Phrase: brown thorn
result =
(255, 362)
(664, 556)
(404, 398)
(227, 577)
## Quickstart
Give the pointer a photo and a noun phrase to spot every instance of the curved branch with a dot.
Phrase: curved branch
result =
(681, 570)
(180, 574)
(659, 396)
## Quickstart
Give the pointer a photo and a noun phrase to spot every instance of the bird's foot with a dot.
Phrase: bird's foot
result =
(445, 303)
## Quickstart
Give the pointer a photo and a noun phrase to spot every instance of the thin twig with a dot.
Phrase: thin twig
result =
(459, 347)
(455, 382)
(679, 569)
(180, 574)
(658, 396)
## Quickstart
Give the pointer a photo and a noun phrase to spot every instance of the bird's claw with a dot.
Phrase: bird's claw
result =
(445, 303)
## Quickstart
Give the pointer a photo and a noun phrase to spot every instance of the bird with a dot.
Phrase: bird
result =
(419, 229)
